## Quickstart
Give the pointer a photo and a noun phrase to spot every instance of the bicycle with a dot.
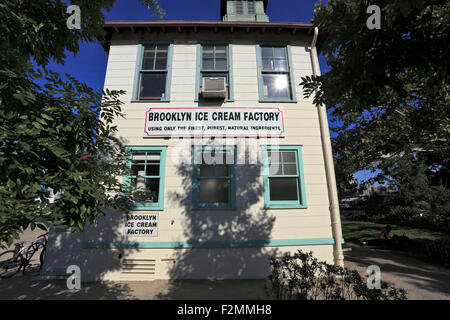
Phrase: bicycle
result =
(12, 261)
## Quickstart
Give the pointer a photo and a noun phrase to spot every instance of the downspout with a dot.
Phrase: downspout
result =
(329, 165)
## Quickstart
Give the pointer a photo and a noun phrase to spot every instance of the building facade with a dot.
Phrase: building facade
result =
(233, 163)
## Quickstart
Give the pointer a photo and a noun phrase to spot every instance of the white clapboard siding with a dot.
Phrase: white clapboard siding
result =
(178, 218)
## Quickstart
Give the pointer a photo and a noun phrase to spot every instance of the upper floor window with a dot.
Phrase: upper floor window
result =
(215, 60)
(251, 7)
(239, 7)
(147, 176)
(154, 72)
(275, 73)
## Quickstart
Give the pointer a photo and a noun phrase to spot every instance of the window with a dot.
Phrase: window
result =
(283, 177)
(251, 7)
(239, 7)
(153, 72)
(275, 74)
(213, 177)
(147, 176)
(214, 60)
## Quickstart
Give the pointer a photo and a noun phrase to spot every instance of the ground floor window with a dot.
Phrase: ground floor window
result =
(214, 180)
(214, 177)
(284, 185)
(147, 166)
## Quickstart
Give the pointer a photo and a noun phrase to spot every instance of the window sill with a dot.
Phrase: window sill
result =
(148, 208)
(225, 101)
(277, 101)
(211, 207)
(285, 206)
(149, 101)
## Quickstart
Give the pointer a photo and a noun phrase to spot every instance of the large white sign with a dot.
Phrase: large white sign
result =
(234, 121)
(141, 225)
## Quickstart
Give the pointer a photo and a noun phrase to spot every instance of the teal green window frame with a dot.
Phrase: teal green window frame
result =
(270, 204)
(231, 205)
(261, 71)
(200, 70)
(239, 5)
(253, 6)
(139, 72)
(159, 206)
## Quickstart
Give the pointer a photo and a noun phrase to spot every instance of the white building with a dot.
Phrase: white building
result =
(203, 90)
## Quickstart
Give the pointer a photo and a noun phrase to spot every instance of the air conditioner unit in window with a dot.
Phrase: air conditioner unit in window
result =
(214, 87)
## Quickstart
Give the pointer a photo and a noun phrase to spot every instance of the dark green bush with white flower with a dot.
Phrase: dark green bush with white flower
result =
(301, 276)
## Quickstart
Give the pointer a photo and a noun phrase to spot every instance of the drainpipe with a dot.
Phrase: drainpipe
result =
(329, 165)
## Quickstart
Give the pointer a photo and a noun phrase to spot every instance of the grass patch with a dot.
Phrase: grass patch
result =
(357, 231)
(427, 245)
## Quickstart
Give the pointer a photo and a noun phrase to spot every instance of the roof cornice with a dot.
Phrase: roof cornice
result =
(206, 24)
(112, 27)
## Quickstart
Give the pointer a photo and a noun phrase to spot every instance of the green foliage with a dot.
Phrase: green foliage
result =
(412, 182)
(54, 133)
(346, 184)
(45, 143)
(428, 245)
(436, 252)
(417, 203)
(358, 231)
(303, 277)
(154, 6)
(387, 90)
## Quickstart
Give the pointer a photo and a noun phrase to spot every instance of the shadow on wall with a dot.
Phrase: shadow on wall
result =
(248, 222)
(67, 249)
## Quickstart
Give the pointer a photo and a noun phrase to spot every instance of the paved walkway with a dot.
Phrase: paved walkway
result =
(421, 280)
(26, 287)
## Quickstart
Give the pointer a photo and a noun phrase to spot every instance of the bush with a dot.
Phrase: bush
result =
(437, 251)
(402, 215)
(355, 215)
(303, 277)
(405, 216)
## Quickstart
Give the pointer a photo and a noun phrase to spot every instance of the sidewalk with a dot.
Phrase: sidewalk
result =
(26, 287)
(421, 280)
(29, 286)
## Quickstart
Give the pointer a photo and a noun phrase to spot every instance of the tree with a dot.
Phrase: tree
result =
(387, 90)
(347, 185)
(417, 196)
(55, 133)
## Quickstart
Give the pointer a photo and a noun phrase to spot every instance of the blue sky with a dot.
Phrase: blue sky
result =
(89, 65)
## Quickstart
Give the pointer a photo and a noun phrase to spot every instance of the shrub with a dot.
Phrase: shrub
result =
(405, 216)
(355, 215)
(301, 276)
(437, 251)
(402, 215)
